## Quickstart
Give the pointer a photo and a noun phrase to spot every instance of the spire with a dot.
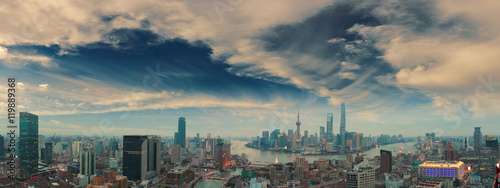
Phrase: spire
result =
(298, 118)
(298, 113)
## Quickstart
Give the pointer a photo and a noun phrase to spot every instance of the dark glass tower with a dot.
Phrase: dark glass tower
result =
(141, 157)
(329, 127)
(48, 153)
(181, 137)
(2, 148)
(477, 140)
(28, 144)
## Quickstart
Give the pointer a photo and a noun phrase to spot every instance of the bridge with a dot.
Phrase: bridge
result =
(216, 178)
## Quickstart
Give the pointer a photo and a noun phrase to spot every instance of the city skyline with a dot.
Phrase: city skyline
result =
(401, 67)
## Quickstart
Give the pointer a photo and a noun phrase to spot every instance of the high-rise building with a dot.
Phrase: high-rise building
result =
(77, 146)
(87, 161)
(477, 139)
(99, 148)
(176, 153)
(321, 133)
(141, 156)
(329, 127)
(358, 141)
(487, 162)
(222, 155)
(28, 144)
(342, 117)
(48, 153)
(2, 148)
(274, 134)
(41, 144)
(361, 178)
(449, 152)
(385, 161)
(181, 137)
(154, 155)
(265, 134)
(492, 143)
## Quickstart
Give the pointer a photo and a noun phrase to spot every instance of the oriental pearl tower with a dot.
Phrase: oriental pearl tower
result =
(298, 121)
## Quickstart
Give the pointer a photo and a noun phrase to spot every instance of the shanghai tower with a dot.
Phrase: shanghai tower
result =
(342, 118)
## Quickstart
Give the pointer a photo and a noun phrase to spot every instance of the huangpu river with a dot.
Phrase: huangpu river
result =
(257, 156)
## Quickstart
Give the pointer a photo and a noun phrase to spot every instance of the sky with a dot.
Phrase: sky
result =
(240, 67)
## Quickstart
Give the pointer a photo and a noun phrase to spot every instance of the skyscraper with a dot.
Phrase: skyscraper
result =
(265, 134)
(477, 139)
(87, 161)
(342, 117)
(176, 153)
(48, 153)
(182, 132)
(385, 161)
(141, 156)
(358, 141)
(2, 148)
(28, 144)
(222, 153)
(329, 127)
(449, 152)
(77, 146)
(154, 153)
(492, 143)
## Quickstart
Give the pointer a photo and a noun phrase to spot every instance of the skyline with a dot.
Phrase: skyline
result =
(401, 67)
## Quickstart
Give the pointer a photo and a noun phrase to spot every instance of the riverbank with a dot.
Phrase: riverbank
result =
(284, 151)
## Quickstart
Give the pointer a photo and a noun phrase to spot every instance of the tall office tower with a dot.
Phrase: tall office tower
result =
(477, 139)
(99, 148)
(385, 161)
(305, 139)
(141, 156)
(358, 141)
(41, 144)
(222, 153)
(449, 152)
(28, 144)
(329, 127)
(465, 143)
(265, 134)
(487, 162)
(114, 145)
(290, 135)
(154, 155)
(282, 140)
(492, 143)
(48, 153)
(274, 134)
(176, 153)
(342, 117)
(361, 178)
(182, 132)
(2, 148)
(77, 146)
(87, 161)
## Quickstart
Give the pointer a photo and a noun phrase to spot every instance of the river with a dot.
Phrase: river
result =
(264, 157)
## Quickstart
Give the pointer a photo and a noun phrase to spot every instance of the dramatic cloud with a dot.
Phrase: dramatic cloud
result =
(428, 63)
